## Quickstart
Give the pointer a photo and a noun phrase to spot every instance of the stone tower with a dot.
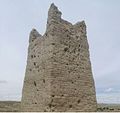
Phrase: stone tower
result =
(58, 74)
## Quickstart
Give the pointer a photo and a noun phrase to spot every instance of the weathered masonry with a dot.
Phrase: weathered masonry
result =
(58, 74)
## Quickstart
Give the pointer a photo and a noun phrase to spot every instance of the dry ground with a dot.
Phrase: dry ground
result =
(9, 106)
(14, 106)
(108, 107)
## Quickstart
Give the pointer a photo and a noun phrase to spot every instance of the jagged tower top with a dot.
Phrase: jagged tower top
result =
(54, 16)
(54, 13)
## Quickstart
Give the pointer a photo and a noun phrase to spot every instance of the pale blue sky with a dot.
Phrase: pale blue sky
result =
(18, 17)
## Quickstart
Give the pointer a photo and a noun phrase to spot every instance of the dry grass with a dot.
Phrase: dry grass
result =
(108, 108)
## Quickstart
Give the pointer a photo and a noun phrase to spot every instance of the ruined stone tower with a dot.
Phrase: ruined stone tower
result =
(58, 74)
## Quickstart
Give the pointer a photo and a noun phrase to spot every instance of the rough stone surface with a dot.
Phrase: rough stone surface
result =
(58, 74)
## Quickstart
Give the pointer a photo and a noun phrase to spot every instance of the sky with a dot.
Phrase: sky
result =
(102, 17)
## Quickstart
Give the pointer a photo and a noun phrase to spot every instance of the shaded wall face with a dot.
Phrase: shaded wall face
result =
(58, 73)
(36, 89)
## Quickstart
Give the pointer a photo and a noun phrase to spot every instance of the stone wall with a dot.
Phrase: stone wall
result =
(58, 74)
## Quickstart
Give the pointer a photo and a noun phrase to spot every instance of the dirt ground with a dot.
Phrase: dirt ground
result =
(9, 106)
(14, 106)
(108, 108)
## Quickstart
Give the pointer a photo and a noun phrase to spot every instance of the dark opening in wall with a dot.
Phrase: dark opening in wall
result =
(45, 111)
(31, 56)
(53, 43)
(77, 37)
(30, 69)
(35, 83)
(78, 101)
(50, 105)
(67, 64)
(65, 49)
(67, 35)
(43, 80)
(62, 95)
(45, 34)
(34, 63)
(70, 106)
(52, 95)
